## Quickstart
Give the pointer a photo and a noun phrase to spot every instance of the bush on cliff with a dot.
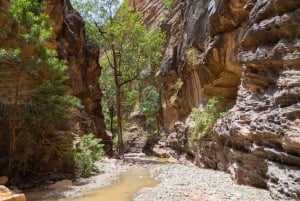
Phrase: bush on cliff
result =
(204, 119)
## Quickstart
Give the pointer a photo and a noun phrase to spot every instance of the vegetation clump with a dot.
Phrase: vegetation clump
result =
(88, 151)
(168, 3)
(215, 108)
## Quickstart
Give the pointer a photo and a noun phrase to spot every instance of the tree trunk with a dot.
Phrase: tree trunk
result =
(120, 148)
(119, 123)
(13, 123)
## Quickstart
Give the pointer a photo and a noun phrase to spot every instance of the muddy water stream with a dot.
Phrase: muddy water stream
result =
(122, 190)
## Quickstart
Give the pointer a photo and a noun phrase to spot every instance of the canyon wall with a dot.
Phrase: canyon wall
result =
(83, 71)
(83, 67)
(247, 51)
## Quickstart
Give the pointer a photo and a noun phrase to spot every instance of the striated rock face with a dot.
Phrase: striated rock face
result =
(248, 51)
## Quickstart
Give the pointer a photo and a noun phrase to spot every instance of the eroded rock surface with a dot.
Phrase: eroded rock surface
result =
(248, 51)
(261, 134)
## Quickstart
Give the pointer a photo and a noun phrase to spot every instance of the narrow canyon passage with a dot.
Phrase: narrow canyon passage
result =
(216, 82)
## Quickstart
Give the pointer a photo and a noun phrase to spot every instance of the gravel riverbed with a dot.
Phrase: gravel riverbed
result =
(189, 183)
(178, 182)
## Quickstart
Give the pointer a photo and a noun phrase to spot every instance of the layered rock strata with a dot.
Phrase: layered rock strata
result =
(246, 51)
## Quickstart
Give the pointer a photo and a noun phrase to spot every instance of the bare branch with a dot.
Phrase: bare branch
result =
(129, 80)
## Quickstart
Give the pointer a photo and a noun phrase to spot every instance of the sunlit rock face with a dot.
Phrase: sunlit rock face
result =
(83, 70)
(7, 195)
(247, 51)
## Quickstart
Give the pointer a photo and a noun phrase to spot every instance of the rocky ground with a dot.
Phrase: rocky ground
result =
(189, 183)
(178, 182)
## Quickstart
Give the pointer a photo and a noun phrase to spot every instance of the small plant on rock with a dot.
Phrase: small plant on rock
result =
(168, 3)
(88, 151)
(215, 108)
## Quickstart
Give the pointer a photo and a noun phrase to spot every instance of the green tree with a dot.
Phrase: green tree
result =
(32, 74)
(128, 47)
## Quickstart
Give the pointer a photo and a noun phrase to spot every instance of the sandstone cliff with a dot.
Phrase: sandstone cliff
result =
(83, 71)
(83, 66)
(246, 51)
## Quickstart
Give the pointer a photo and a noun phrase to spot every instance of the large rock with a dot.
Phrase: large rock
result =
(7, 195)
(248, 51)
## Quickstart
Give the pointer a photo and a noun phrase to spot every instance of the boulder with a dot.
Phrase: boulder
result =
(159, 152)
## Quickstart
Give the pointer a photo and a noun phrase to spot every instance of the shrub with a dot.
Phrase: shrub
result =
(215, 108)
(87, 153)
(191, 57)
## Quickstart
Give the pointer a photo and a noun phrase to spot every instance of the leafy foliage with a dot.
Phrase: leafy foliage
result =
(215, 108)
(96, 13)
(88, 151)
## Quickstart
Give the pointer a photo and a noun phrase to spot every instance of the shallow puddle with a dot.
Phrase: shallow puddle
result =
(123, 190)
